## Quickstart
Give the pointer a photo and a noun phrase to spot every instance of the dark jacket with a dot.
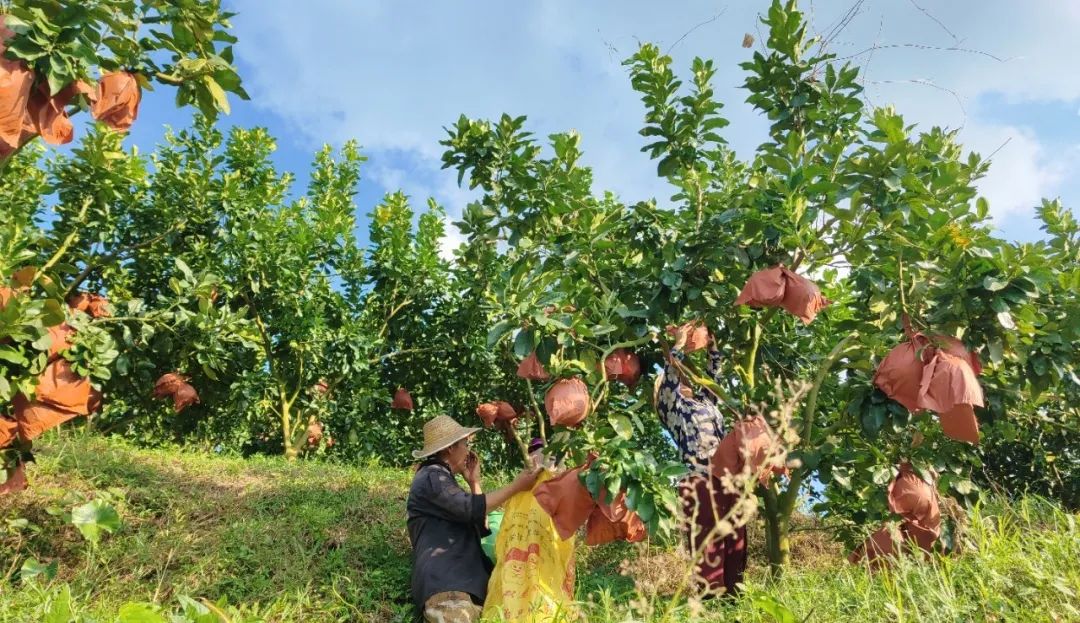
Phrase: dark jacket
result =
(446, 524)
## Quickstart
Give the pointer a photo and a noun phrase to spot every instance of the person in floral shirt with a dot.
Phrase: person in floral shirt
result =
(691, 415)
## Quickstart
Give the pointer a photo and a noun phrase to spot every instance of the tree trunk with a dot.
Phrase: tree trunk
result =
(287, 432)
(779, 507)
(777, 540)
(778, 545)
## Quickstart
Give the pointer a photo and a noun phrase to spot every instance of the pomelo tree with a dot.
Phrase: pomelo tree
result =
(219, 269)
(886, 220)
(60, 58)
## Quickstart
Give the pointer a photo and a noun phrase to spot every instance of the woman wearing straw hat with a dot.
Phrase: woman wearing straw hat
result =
(450, 571)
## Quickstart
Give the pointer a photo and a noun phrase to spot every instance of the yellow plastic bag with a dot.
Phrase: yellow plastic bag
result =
(533, 579)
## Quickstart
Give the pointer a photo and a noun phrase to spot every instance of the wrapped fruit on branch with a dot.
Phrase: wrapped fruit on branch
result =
(314, 433)
(917, 503)
(748, 444)
(14, 478)
(507, 428)
(697, 335)
(95, 305)
(116, 102)
(61, 395)
(567, 402)
(938, 374)
(176, 386)
(530, 368)
(402, 400)
(28, 109)
(566, 500)
(8, 430)
(614, 522)
(780, 287)
(491, 413)
(623, 366)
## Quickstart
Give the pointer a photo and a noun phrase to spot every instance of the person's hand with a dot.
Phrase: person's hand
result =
(681, 334)
(472, 468)
(681, 337)
(527, 478)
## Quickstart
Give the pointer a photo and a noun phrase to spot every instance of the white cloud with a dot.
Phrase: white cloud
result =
(392, 74)
(1022, 49)
(395, 80)
(450, 241)
(1021, 172)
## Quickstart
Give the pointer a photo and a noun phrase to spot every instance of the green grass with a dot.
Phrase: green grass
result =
(321, 542)
(304, 541)
(1022, 563)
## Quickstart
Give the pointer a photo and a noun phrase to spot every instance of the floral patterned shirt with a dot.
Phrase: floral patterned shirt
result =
(695, 422)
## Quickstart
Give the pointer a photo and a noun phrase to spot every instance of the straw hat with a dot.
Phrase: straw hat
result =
(440, 433)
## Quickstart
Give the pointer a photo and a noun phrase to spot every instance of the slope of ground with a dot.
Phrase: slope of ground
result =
(320, 542)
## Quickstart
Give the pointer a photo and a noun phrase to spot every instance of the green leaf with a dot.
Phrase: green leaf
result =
(184, 269)
(727, 216)
(625, 312)
(208, 370)
(10, 355)
(1006, 320)
(899, 418)
(623, 427)
(524, 343)
(31, 568)
(497, 332)
(668, 166)
(133, 612)
(197, 612)
(874, 419)
(593, 482)
(994, 284)
(221, 101)
(54, 313)
(770, 606)
(841, 477)
(647, 507)
(59, 608)
(882, 475)
(612, 488)
(58, 78)
(633, 492)
(674, 470)
(93, 518)
(670, 279)
(545, 349)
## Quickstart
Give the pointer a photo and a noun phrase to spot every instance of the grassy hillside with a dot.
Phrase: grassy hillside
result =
(319, 542)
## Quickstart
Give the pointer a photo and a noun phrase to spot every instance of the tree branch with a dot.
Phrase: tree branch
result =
(397, 353)
(68, 241)
(390, 316)
(788, 499)
(104, 259)
(536, 409)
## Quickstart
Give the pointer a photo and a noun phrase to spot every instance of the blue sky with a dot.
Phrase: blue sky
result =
(392, 74)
